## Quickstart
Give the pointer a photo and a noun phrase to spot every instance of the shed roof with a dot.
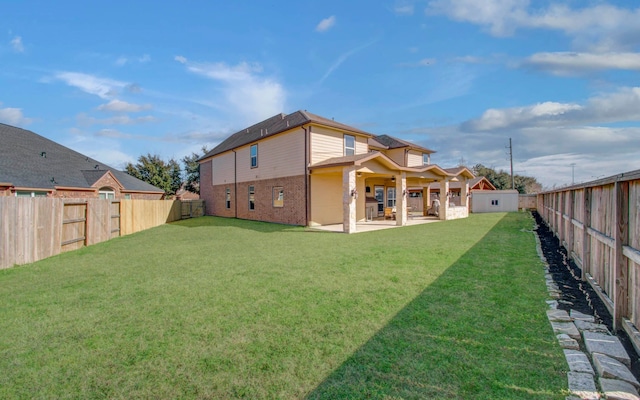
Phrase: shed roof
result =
(32, 161)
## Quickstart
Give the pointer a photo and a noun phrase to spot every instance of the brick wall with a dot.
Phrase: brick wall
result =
(293, 211)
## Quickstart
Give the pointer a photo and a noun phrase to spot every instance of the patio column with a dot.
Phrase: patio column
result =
(348, 200)
(401, 199)
(464, 190)
(444, 198)
(426, 199)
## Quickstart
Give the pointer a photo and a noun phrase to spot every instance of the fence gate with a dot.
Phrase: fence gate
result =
(74, 226)
(192, 209)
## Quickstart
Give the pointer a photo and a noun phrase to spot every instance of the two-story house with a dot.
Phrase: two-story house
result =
(304, 169)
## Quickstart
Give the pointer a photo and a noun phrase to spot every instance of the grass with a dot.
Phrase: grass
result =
(223, 308)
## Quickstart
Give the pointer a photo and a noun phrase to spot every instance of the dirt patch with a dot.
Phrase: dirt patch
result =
(576, 294)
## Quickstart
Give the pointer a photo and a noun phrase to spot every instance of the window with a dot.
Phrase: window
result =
(349, 145)
(127, 196)
(252, 198)
(278, 196)
(254, 156)
(495, 202)
(22, 193)
(106, 193)
(228, 198)
(425, 159)
(391, 197)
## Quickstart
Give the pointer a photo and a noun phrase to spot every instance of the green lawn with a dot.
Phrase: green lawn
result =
(223, 308)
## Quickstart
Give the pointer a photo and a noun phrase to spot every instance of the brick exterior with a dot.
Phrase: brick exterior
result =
(292, 213)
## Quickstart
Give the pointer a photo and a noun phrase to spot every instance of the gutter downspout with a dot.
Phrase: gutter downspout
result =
(307, 186)
(235, 182)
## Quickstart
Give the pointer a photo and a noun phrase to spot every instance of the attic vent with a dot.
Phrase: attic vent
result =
(43, 154)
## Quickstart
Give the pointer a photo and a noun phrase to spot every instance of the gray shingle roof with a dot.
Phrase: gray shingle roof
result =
(394, 143)
(276, 124)
(33, 161)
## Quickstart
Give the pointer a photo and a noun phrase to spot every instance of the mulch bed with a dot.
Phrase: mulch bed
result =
(576, 294)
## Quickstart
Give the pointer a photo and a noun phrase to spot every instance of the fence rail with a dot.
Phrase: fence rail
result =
(599, 225)
(35, 228)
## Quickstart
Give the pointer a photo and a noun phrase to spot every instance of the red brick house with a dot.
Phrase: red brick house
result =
(32, 166)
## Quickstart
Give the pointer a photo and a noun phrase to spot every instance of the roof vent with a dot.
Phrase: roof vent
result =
(53, 180)
(43, 154)
(97, 166)
(287, 123)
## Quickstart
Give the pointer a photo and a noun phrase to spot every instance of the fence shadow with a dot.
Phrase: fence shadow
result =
(473, 333)
(257, 226)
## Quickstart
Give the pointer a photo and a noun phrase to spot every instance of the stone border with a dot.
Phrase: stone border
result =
(591, 351)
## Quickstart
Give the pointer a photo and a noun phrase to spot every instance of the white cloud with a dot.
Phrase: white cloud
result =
(122, 60)
(145, 58)
(623, 105)
(403, 9)
(102, 87)
(246, 91)
(343, 57)
(425, 62)
(569, 63)
(116, 105)
(602, 26)
(86, 120)
(16, 44)
(326, 24)
(13, 116)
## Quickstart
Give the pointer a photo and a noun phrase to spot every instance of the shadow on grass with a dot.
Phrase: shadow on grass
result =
(478, 332)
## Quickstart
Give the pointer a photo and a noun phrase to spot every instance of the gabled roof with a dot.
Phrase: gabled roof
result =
(29, 160)
(274, 125)
(394, 143)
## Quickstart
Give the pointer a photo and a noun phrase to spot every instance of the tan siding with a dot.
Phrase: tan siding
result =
(414, 159)
(326, 202)
(328, 143)
(396, 155)
(279, 156)
(222, 168)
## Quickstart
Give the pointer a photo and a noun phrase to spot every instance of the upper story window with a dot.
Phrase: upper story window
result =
(106, 193)
(349, 145)
(425, 159)
(254, 155)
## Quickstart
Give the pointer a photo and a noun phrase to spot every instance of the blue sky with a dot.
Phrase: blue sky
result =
(121, 79)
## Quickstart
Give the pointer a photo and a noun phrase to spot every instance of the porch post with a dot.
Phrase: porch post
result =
(444, 198)
(464, 189)
(426, 199)
(348, 200)
(401, 199)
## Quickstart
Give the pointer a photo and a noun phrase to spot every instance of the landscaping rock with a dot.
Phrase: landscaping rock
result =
(582, 386)
(553, 304)
(596, 342)
(567, 328)
(618, 390)
(558, 315)
(591, 327)
(578, 361)
(610, 368)
(567, 343)
(578, 316)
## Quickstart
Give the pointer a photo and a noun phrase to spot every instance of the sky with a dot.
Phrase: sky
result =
(117, 80)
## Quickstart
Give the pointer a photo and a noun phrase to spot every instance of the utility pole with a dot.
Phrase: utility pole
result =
(573, 165)
(513, 184)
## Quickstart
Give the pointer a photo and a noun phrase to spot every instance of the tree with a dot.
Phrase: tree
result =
(502, 180)
(192, 170)
(152, 169)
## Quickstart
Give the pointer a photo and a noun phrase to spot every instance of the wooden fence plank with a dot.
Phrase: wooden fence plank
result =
(620, 263)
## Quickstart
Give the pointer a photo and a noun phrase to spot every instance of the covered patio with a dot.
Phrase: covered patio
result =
(354, 192)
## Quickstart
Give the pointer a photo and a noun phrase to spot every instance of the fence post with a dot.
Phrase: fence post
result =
(586, 238)
(621, 236)
(570, 233)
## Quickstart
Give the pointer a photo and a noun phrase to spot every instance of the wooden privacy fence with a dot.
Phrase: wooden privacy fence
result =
(599, 225)
(35, 228)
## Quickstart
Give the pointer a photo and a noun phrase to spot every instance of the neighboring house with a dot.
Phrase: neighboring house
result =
(485, 201)
(33, 166)
(304, 169)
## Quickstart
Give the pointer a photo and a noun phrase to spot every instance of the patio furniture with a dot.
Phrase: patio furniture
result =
(388, 213)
